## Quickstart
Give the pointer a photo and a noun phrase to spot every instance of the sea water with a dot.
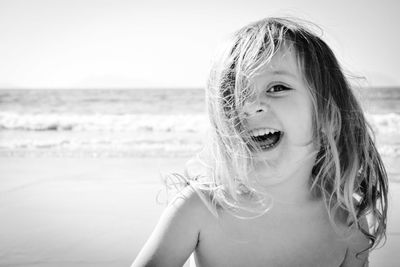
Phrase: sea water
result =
(139, 122)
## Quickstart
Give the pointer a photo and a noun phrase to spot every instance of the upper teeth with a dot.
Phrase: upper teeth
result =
(259, 132)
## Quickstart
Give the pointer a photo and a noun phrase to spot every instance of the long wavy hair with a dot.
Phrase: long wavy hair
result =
(348, 173)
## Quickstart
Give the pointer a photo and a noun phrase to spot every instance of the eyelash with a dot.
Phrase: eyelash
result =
(283, 88)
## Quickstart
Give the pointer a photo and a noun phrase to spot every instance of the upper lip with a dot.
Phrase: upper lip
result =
(265, 127)
(262, 128)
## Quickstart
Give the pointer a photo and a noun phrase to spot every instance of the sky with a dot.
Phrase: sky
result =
(60, 44)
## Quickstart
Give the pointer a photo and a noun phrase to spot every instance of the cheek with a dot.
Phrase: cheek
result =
(297, 116)
(304, 121)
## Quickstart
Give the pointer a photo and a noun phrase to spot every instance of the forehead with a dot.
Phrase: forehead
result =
(284, 62)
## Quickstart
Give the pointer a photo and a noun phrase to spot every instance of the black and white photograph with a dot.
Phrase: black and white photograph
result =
(199, 133)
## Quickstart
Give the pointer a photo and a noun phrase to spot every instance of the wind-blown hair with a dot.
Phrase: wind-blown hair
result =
(348, 173)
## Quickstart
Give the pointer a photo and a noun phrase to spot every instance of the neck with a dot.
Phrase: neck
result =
(286, 186)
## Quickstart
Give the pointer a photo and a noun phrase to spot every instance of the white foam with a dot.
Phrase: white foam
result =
(384, 123)
(146, 133)
(103, 122)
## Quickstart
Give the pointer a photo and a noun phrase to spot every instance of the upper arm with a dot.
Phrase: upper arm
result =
(357, 249)
(176, 234)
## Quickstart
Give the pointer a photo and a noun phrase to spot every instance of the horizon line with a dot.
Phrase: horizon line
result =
(105, 88)
(162, 88)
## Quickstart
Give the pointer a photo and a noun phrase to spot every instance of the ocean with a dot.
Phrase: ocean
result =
(140, 122)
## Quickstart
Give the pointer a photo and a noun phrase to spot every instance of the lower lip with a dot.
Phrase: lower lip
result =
(268, 148)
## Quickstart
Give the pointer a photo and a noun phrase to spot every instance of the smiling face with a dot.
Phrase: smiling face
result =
(281, 107)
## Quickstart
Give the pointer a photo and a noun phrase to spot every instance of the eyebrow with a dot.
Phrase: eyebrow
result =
(283, 72)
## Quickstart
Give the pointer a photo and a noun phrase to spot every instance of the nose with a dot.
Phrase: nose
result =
(252, 108)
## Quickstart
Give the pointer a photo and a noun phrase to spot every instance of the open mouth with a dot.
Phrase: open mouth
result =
(266, 138)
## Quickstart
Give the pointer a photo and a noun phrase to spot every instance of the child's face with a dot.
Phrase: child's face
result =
(282, 103)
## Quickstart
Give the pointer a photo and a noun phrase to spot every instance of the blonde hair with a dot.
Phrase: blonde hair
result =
(348, 173)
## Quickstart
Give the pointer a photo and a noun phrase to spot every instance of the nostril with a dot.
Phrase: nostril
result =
(248, 113)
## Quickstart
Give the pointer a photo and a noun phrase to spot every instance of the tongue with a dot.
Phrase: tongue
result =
(268, 139)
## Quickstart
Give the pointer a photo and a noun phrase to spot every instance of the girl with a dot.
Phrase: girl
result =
(291, 175)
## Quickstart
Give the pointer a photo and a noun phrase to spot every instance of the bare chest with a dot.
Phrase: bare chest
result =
(272, 241)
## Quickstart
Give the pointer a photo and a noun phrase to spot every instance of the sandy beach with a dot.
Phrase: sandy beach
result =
(78, 212)
(99, 212)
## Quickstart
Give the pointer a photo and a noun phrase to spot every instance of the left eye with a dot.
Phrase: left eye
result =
(278, 88)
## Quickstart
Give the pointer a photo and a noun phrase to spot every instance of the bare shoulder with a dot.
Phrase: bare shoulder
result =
(177, 232)
(357, 246)
(190, 203)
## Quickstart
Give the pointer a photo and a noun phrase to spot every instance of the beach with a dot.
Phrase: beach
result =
(80, 170)
(78, 211)
(100, 211)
